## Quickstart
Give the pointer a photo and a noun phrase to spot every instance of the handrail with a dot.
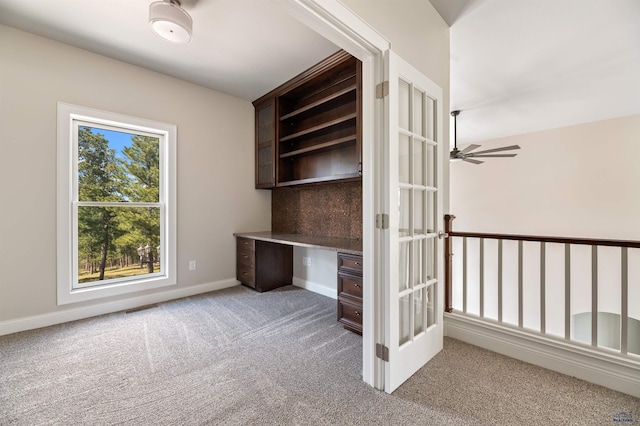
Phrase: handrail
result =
(545, 239)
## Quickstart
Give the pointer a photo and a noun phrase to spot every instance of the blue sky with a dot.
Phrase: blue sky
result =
(117, 140)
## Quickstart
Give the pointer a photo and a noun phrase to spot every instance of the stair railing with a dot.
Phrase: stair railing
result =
(477, 262)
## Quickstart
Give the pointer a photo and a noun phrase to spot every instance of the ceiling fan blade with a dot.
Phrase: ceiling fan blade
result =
(471, 160)
(491, 155)
(504, 148)
(470, 148)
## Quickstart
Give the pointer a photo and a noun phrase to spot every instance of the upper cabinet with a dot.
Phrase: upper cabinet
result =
(265, 144)
(313, 133)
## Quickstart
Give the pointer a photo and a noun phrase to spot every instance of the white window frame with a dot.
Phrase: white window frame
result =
(68, 289)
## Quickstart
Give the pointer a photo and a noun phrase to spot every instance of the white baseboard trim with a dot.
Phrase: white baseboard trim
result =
(608, 370)
(316, 288)
(73, 314)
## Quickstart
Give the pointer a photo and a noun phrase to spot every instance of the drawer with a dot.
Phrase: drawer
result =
(246, 244)
(244, 257)
(350, 286)
(350, 314)
(350, 263)
(246, 275)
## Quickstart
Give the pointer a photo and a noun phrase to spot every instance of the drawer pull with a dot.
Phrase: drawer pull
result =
(357, 285)
(357, 263)
(245, 256)
(357, 313)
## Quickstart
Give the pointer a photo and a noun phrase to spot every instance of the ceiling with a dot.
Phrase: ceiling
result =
(233, 50)
(516, 66)
(528, 65)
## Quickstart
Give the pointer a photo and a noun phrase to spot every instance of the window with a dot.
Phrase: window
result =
(116, 204)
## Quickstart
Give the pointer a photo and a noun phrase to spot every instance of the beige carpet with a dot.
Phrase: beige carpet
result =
(237, 357)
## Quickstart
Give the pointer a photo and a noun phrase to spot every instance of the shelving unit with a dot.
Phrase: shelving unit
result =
(317, 118)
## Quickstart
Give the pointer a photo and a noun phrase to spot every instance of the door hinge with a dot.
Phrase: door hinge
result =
(382, 221)
(382, 352)
(382, 89)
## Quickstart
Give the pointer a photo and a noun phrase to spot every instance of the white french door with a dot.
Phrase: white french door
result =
(413, 284)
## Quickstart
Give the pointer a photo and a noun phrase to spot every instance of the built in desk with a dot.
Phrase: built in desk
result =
(264, 261)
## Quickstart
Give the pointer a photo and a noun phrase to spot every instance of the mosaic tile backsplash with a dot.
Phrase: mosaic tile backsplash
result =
(327, 210)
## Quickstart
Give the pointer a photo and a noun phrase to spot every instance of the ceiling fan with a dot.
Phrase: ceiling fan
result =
(470, 157)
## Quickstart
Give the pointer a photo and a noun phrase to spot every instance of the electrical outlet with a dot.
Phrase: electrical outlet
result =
(308, 261)
(304, 261)
(192, 265)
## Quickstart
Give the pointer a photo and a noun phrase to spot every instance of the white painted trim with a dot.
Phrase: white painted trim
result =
(73, 314)
(608, 370)
(338, 24)
(315, 287)
(67, 264)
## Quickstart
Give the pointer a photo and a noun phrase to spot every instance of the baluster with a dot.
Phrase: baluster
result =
(624, 309)
(520, 286)
(594, 295)
(543, 288)
(500, 281)
(481, 277)
(567, 291)
(464, 274)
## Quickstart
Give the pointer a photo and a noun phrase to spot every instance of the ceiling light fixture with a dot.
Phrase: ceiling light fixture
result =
(170, 21)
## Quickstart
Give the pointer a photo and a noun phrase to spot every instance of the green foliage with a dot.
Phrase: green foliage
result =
(142, 164)
(111, 234)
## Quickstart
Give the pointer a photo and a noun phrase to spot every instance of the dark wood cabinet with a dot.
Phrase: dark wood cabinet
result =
(316, 123)
(265, 144)
(263, 265)
(350, 291)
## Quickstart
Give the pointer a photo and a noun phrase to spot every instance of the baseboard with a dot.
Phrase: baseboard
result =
(73, 314)
(316, 288)
(608, 370)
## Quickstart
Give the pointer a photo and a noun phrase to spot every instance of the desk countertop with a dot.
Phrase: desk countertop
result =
(343, 245)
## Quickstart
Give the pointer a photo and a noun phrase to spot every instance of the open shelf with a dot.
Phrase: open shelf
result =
(314, 128)
(350, 176)
(322, 101)
(319, 127)
(320, 147)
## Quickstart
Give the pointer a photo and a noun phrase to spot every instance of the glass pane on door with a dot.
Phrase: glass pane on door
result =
(405, 105)
(419, 166)
(405, 319)
(404, 212)
(431, 119)
(419, 98)
(418, 312)
(431, 305)
(418, 211)
(404, 153)
(418, 262)
(405, 253)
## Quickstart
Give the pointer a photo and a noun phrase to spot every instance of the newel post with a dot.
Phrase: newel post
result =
(448, 266)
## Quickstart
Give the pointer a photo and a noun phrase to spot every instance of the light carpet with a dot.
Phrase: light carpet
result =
(238, 357)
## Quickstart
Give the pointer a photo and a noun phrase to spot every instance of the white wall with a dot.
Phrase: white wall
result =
(321, 276)
(577, 181)
(216, 194)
